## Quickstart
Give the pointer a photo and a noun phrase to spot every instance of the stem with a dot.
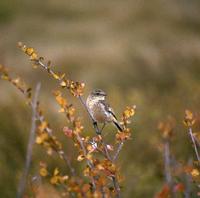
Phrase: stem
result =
(116, 187)
(60, 152)
(85, 154)
(48, 130)
(167, 163)
(23, 180)
(114, 179)
(197, 141)
(121, 144)
(188, 181)
(194, 143)
(79, 97)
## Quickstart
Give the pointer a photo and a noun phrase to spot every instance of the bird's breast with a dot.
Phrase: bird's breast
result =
(98, 111)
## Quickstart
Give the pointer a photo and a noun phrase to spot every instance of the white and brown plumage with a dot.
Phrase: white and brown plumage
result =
(100, 111)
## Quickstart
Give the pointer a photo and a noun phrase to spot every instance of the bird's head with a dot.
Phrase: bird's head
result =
(98, 94)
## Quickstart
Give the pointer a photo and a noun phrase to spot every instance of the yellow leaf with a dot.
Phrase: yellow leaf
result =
(63, 84)
(38, 140)
(54, 180)
(49, 151)
(188, 114)
(62, 110)
(56, 76)
(195, 172)
(29, 51)
(43, 126)
(41, 138)
(4, 77)
(80, 158)
(43, 172)
(56, 171)
(34, 56)
(62, 76)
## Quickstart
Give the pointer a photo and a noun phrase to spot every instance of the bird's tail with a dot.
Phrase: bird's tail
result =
(118, 126)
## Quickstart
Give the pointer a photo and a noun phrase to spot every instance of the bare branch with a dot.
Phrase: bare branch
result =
(197, 141)
(194, 143)
(188, 181)
(116, 187)
(121, 144)
(23, 180)
(167, 163)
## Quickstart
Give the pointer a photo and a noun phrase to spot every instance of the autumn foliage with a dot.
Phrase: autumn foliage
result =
(101, 175)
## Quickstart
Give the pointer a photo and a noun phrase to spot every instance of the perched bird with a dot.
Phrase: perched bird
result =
(99, 110)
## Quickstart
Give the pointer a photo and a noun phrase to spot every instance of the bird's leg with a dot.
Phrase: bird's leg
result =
(104, 124)
(96, 128)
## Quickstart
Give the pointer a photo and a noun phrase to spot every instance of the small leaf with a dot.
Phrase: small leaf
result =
(63, 84)
(56, 76)
(56, 171)
(195, 172)
(34, 56)
(54, 180)
(43, 172)
(80, 158)
(29, 51)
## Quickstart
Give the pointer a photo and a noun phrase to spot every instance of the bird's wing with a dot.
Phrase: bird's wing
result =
(108, 108)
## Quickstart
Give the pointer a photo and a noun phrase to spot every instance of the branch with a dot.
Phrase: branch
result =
(121, 144)
(23, 180)
(60, 152)
(167, 162)
(76, 89)
(79, 97)
(89, 163)
(197, 141)
(116, 187)
(194, 143)
(188, 181)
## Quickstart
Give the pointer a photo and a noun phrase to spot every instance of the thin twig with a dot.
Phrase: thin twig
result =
(89, 163)
(197, 141)
(23, 180)
(47, 129)
(114, 179)
(106, 152)
(121, 144)
(194, 143)
(188, 181)
(115, 182)
(116, 186)
(167, 162)
(79, 97)
(60, 152)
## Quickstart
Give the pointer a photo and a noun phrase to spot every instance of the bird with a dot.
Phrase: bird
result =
(100, 111)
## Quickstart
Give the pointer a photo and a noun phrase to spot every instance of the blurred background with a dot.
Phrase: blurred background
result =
(140, 52)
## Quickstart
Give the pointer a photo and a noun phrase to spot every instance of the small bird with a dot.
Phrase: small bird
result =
(99, 110)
